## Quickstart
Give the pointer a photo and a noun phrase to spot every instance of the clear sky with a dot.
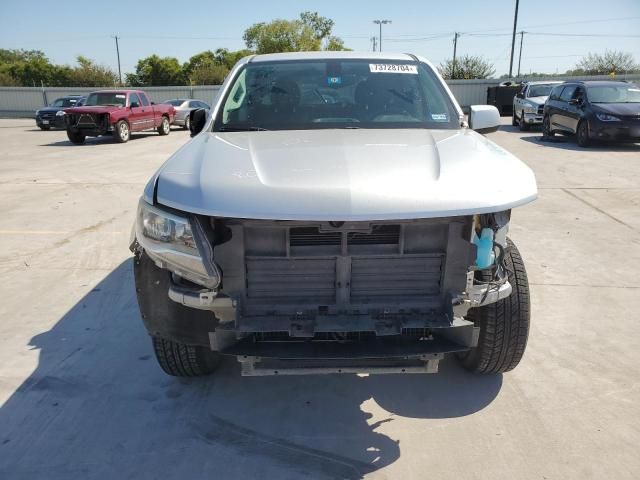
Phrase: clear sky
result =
(65, 29)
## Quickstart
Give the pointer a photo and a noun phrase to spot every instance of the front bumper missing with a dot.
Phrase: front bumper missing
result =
(374, 356)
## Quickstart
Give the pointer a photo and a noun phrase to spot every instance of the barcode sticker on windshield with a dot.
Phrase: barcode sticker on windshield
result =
(392, 68)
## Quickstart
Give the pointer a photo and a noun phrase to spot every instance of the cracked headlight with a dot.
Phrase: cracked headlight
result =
(170, 241)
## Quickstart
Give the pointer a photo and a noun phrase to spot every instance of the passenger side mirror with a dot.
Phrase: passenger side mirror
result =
(484, 118)
(197, 120)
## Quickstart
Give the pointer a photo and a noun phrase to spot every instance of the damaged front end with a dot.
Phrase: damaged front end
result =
(319, 297)
(88, 123)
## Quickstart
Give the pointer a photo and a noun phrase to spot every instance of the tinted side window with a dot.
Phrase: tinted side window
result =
(555, 93)
(193, 104)
(567, 93)
(145, 100)
(133, 98)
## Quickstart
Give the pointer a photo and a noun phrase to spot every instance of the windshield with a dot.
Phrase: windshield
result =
(540, 90)
(64, 102)
(175, 103)
(302, 95)
(106, 98)
(623, 93)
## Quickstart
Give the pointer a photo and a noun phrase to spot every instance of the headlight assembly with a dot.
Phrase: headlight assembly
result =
(530, 108)
(60, 113)
(171, 242)
(605, 117)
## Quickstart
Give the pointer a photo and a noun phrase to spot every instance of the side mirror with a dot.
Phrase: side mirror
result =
(576, 101)
(520, 95)
(197, 120)
(484, 118)
(153, 103)
(134, 105)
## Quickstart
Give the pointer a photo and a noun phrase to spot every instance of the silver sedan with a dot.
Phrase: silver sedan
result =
(183, 107)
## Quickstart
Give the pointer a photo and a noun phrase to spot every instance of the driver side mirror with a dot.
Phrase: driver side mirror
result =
(520, 95)
(134, 105)
(484, 118)
(197, 120)
(576, 101)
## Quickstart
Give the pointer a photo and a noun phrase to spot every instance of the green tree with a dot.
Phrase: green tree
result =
(467, 67)
(610, 62)
(157, 71)
(308, 33)
(29, 68)
(212, 74)
(89, 74)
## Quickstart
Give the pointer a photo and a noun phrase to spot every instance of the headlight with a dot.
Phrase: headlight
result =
(170, 241)
(37, 112)
(59, 113)
(530, 108)
(605, 117)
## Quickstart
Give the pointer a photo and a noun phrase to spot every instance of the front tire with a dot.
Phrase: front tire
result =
(187, 123)
(583, 134)
(514, 120)
(180, 360)
(122, 132)
(77, 138)
(504, 325)
(546, 127)
(165, 126)
(524, 127)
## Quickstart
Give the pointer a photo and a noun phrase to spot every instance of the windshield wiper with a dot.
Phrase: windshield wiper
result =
(242, 129)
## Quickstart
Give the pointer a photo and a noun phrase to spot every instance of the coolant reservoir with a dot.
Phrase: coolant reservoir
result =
(485, 255)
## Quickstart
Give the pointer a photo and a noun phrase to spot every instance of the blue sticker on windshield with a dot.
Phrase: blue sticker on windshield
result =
(334, 80)
(439, 117)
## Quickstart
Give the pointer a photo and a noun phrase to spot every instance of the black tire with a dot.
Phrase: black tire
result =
(181, 360)
(122, 132)
(514, 120)
(77, 138)
(524, 127)
(504, 325)
(45, 127)
(582, 134)
(546, 127)
(187, 123)
(165, 126)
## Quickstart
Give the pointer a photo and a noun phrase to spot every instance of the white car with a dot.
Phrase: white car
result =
(334, 214)
(528, 104)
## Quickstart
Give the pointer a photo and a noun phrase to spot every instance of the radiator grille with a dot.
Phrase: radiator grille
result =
(304, 280)
(311, 236)
(380, 235)
(376, 278)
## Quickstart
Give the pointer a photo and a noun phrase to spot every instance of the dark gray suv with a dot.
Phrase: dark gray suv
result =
(594, 110)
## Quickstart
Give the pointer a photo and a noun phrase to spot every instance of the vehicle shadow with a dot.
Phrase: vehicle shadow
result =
(98, 407)
(569, 143)
(90, 141)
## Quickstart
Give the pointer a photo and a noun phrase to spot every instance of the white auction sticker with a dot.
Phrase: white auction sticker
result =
(392, 68)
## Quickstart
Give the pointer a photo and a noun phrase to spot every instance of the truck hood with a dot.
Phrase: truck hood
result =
(93, 109)
(537, 100)
(343, 175)
(626, 109)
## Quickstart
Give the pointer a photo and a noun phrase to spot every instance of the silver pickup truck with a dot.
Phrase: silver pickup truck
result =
(334, 213)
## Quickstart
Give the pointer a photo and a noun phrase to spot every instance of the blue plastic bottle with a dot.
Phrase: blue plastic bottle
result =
(484, 256)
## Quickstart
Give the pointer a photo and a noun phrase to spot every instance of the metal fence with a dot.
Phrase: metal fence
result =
(24, 101)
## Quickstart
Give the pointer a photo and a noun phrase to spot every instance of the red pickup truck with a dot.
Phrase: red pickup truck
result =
(117, 113)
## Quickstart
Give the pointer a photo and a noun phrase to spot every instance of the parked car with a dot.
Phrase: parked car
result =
(528, 104)
(184, 107)
(594, 110)
(53, 115)
(367, 233)
(117, 113)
